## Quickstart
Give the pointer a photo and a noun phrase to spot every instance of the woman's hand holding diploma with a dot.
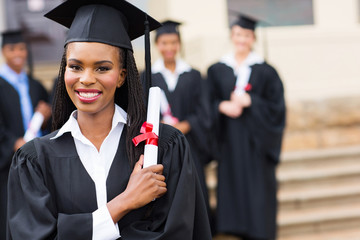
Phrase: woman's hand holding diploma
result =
(145, 184)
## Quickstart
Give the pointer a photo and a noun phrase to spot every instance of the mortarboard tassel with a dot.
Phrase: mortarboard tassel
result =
(150, 129)
(148, 82)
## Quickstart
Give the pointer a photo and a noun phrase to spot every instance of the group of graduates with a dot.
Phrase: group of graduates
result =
(84, 179)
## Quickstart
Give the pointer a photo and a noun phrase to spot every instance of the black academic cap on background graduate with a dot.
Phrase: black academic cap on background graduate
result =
(12, 37)
(18, 36)
(246, 22)
(250, 21)
(114, 22)
(168, 27)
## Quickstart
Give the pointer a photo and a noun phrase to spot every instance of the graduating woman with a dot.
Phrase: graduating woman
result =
(182, 103)
(249, 112)
(85, 180)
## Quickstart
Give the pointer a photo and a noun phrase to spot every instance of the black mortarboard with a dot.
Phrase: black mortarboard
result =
(245, 22)
(12, 37)
(114, 22)
(168, 27)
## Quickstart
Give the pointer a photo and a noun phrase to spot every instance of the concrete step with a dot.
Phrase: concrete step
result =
(306, 197)
(316, 163)
(342, 170)
(343, 234)
(320, 182)
(320, 171)
(305, 160)
(321, 155)
(319, 220)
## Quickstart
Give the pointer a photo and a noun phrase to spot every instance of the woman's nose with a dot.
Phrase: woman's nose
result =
(87, 78)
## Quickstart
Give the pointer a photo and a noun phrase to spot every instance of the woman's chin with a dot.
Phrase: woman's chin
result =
(242, 50)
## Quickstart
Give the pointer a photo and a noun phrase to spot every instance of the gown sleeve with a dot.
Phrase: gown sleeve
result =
(181, 212)
(266, 115)
(199, 120)
(32, 212)
(7, 141)
(213, 95)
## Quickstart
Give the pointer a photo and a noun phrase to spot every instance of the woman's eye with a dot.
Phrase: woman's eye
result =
(75, 67)
(103, 69)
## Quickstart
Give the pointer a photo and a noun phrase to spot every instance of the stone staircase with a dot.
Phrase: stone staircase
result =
(319, 195)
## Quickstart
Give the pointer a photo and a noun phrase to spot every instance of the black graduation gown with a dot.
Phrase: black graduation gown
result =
(12, 128)
(249, 148)
(53, 197)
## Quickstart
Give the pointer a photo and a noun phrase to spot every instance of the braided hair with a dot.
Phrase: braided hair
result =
(129, 97)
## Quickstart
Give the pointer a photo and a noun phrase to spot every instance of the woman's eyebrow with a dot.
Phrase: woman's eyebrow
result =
(74, 60)
(96, 63)
(104, 61)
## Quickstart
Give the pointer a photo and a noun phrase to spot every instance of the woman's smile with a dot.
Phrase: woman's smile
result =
(88, 95)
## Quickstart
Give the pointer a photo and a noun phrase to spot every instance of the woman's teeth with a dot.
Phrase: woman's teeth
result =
(88, 94)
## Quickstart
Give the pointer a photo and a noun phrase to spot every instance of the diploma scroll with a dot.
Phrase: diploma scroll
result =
(165, 108)
(34, 126)
(242, 80)
(153, 117)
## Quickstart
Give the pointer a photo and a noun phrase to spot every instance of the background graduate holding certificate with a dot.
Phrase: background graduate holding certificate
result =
(21, 97)
(248, 109)
(182, 101)
(85, 180)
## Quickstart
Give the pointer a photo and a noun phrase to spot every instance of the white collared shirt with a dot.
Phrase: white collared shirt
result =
(97, 164)
(171, 78)
(251, 59)
(243, 71)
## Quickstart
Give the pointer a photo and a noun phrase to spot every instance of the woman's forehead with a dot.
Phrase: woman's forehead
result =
(92, 50)
(90, 45)
(15, 45)
(237, 28)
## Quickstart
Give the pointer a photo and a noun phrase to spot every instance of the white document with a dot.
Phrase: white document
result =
(153, 117)
(34, 126)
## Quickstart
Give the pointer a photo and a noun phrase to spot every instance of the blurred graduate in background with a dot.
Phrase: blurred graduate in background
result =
(183, 103)
(248, 110)
(20, 97)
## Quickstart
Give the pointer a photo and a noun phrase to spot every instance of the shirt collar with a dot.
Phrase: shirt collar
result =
(10, 75)
(72, 126)
(251, 59)
(181, 67)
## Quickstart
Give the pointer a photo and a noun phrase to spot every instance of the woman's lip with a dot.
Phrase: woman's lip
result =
(87, 90)
(88, 96)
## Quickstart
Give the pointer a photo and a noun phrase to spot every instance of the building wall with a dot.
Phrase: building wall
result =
(2, 22)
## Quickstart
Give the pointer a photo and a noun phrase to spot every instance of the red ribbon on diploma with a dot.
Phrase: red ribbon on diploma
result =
(147, 135)
(248, 87)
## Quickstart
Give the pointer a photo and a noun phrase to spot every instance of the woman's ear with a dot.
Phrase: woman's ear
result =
(122, 77)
